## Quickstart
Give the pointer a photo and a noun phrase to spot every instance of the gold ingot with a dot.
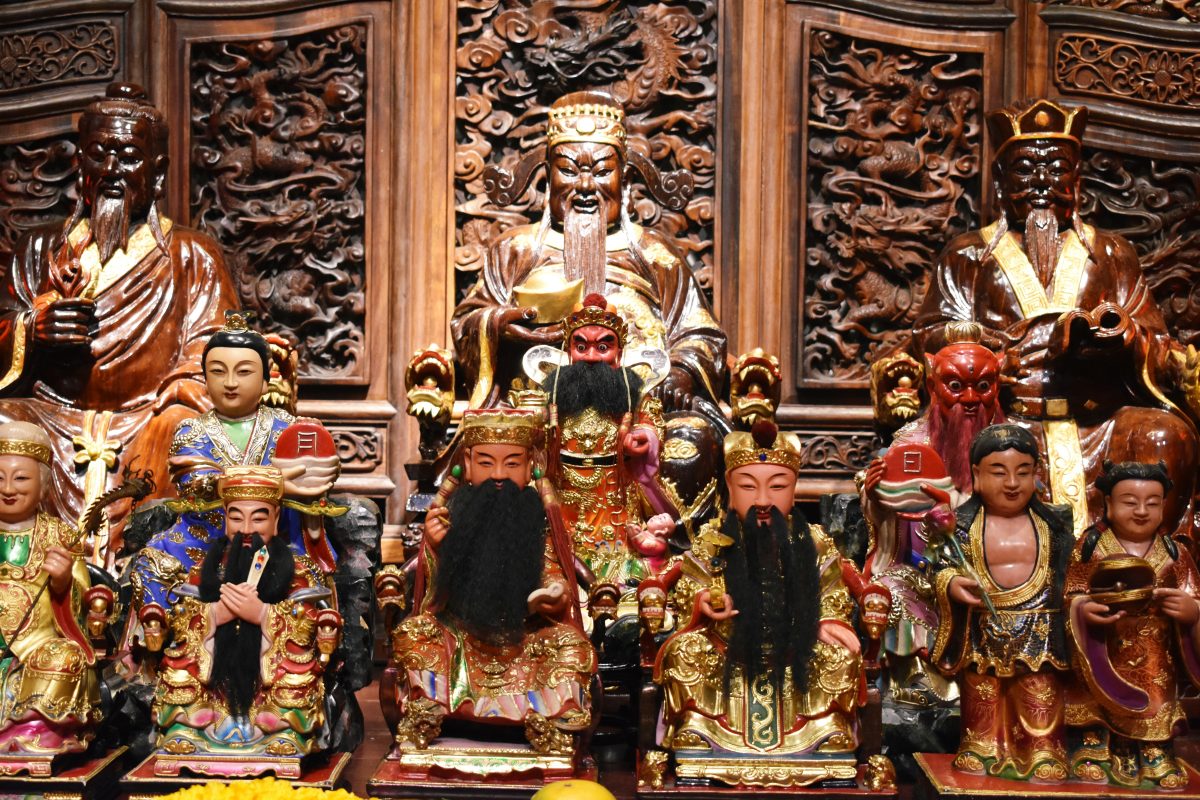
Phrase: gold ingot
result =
(553, 296)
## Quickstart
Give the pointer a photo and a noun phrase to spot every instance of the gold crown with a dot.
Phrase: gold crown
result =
(589, 314)
(958, 332)
(23, 447)
(742, 448)
(516, 426)
(586, 117)
(238, 322)
(251, 483)
(1042, 119)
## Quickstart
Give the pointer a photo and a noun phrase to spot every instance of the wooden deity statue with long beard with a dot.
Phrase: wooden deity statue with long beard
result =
(1089, 367)
(103, 317)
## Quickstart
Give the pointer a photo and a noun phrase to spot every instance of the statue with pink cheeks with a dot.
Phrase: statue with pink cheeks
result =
(764, 660)
(1135, 630)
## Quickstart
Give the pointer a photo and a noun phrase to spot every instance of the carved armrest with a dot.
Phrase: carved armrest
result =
(652, 612)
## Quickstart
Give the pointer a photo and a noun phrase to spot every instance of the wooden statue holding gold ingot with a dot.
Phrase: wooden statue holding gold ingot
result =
(761, 687)
(495, 640)
(240, 687)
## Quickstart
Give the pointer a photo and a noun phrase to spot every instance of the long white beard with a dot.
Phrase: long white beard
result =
(1042, 243)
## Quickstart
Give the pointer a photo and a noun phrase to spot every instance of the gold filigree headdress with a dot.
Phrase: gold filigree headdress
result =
(516, 426)
(1042, 119)
(959, 331)
(586, 117)
(594, 310)
(764, 444)
(24, 447)
(251, 483)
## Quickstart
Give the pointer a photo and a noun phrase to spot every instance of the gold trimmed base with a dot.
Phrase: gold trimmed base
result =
(480, 760)
(782, 773)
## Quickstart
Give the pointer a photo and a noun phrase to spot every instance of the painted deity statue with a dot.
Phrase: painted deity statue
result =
(103, 317)
(1136, 644)
(964, 389)
(240, 687)
(604, 450)
(1063, 303)
(240, 430)
(496, 635)
(49, 691)
(1001, 567)
(765, 666)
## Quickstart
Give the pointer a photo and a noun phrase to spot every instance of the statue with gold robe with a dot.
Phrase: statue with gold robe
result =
(240, 689)
(49, 692)
(762, 680)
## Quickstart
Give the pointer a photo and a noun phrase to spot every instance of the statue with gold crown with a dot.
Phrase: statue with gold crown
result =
(762, 680)
(586, 243)
(603, 453)
(495, 639)
(103, 316)
(242, 429)
(251, 630)
(1063, 303)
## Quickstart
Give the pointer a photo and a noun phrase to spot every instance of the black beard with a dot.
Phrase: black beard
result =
(772, 576)
(109, 223)
(237, 645)
(593, 384)
(492, 558)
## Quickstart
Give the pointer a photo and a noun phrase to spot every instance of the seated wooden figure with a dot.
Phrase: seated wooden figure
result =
(761, 687)
(49, 693)
(496, 636)
(1001, 564)
(240, 683)
(1131, 595)
(241, 429)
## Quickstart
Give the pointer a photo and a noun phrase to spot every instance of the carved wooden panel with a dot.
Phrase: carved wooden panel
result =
(278, 176)
(1111, 68)
(1155, 203)
(57, 55)
(360, 447)
(1187, 10)
(893, 166)
(515, 58)
(834, 452)
(37, 185)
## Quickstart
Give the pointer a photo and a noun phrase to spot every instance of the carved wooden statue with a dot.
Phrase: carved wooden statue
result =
(103, 317)
(1088, 362)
